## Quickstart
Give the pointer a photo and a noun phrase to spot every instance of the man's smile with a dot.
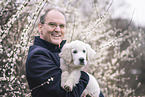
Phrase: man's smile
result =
(55, 34)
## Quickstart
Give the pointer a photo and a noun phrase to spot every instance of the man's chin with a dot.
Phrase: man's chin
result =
(56, 41)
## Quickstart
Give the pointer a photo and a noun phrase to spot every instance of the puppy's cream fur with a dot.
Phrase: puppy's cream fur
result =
(73, 57)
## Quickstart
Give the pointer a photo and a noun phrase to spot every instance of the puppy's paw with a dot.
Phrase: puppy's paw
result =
(67, 88)
(62, 84)
(88, 95)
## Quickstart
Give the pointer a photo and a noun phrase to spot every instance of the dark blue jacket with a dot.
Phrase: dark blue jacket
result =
(43, 63)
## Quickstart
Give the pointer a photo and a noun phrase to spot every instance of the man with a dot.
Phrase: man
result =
(43, 66)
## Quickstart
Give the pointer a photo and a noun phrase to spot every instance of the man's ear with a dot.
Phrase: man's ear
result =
(90, 52)
(66, 53)
(40, 28)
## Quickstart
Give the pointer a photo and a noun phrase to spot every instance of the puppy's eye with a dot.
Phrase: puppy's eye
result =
(74, 51)
(84, 51)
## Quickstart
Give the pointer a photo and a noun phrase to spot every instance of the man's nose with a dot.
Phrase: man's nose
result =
(57, 29)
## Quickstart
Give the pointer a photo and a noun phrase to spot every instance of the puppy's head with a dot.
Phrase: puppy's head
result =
(77, 52)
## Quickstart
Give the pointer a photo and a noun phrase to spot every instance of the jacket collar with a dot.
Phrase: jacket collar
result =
(40, 42)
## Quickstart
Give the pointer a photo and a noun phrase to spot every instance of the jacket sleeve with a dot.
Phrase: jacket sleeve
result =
(41, 66)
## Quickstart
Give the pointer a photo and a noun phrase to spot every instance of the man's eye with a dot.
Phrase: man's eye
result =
(61, 26)
(52, 25)
(74, 51)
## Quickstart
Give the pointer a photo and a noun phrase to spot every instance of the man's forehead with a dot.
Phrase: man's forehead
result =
(55, 16)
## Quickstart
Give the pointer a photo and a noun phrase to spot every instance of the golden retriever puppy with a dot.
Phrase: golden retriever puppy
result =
(73, 58)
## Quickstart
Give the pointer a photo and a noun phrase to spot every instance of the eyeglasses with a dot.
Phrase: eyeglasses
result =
(54, 25)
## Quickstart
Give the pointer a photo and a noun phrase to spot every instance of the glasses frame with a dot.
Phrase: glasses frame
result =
(55, 25)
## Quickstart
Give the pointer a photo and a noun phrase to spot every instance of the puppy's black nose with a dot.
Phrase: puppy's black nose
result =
(81, 59)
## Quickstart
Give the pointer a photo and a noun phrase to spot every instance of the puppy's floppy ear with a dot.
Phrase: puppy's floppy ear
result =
(90, 52)
(66, 53)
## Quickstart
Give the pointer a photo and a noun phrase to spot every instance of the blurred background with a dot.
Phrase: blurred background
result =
(114, 28)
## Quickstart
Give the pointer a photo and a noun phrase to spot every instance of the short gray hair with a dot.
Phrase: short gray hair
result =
(42, 17)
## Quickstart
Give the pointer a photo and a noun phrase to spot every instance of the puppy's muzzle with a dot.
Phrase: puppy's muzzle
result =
(81, 61)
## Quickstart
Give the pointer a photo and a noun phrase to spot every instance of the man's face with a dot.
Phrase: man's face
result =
(53, 29)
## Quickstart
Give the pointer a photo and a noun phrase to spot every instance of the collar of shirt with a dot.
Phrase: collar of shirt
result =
(51, 47)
